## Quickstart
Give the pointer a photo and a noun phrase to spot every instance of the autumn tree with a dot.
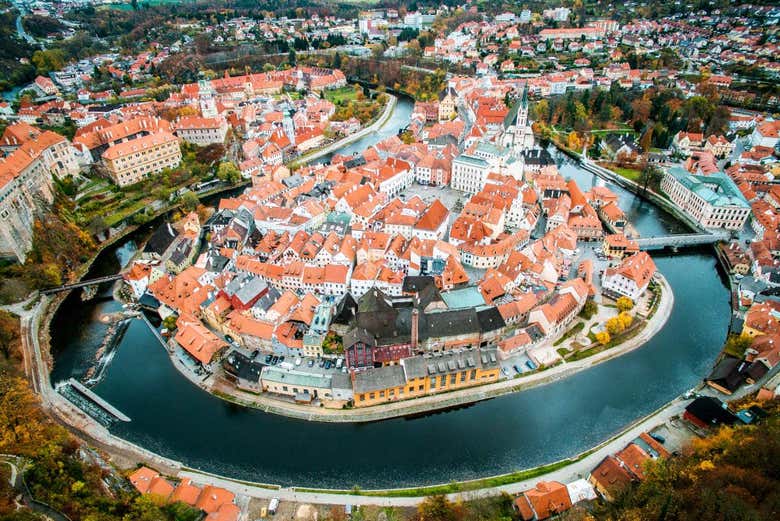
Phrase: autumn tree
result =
(615, 325)
(9, 334)
(731, 474)
(436, 508)
(736, 345)
(624, 304)
(603, 337)
(574, 142)
(23, 429)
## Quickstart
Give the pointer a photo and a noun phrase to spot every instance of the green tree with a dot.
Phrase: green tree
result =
(189, 201)
(228, 172)
(650, 177)
(589, 309)
(48, 60)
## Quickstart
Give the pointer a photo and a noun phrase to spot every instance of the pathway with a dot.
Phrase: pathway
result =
(450, 399)
(336, 145)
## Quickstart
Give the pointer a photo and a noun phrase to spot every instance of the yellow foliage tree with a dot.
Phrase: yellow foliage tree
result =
(624, 304)
(23, 428)
(615, 326)
(574, 142)
(625, 319)
(603, 338)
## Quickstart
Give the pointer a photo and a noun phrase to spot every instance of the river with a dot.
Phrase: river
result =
(174, 418)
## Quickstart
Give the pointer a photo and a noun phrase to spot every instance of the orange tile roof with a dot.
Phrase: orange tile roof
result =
(212, 498)
(638, 267)
(610, 474)
(142, 478)
(197, 340)
(634, 458)
(185, 492)
(17, 161)
(548, 498)
(138, 144)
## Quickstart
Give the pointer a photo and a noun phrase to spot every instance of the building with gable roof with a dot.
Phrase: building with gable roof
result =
(630, 278)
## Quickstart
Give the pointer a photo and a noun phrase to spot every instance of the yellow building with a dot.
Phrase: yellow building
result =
(427, 374)
(132, 161)
(617, 246)
(447, 105)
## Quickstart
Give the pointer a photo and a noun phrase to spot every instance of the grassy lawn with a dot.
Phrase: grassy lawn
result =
(463, 486)
(338, 96)
(631, 174)
(619, 339)
(118, 216)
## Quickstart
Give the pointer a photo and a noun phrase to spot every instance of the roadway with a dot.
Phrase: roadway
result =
(84, 426)
(336, 145)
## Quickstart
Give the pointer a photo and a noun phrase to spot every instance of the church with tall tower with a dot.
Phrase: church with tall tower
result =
(517, 134)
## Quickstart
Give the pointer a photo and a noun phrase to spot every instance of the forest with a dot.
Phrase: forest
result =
(656, 114)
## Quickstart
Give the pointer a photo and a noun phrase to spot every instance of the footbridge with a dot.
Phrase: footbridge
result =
(681, 240)
(81, 284)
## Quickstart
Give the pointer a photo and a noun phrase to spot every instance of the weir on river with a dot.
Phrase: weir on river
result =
(176, 419)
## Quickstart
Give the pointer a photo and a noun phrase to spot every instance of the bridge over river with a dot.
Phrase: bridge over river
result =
(82, 284)
(681, 240)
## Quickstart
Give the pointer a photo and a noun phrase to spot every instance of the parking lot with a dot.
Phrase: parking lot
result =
(305, 364)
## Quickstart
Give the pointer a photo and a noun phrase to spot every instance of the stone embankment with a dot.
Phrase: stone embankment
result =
(447, 400)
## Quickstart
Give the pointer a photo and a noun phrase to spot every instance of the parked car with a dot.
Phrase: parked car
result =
(327, 364)
(322, 362)
(530, 365)
(339, 363)
(268, 358)
(517, 369)
(298, 361)
(274, 360)
(281, 358)
(311, 363)
(658, 438)
(273, 506)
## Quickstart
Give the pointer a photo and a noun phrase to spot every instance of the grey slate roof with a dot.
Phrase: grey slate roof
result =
(379, 378)
(161, 239)
(448, 362)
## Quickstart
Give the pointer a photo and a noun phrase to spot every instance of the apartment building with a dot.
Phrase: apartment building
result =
(202, 131)
(133, 161)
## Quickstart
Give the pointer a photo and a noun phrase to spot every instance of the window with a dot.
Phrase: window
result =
(372, 396)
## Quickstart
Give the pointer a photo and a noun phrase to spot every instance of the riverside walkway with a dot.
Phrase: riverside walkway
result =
(447, 400)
